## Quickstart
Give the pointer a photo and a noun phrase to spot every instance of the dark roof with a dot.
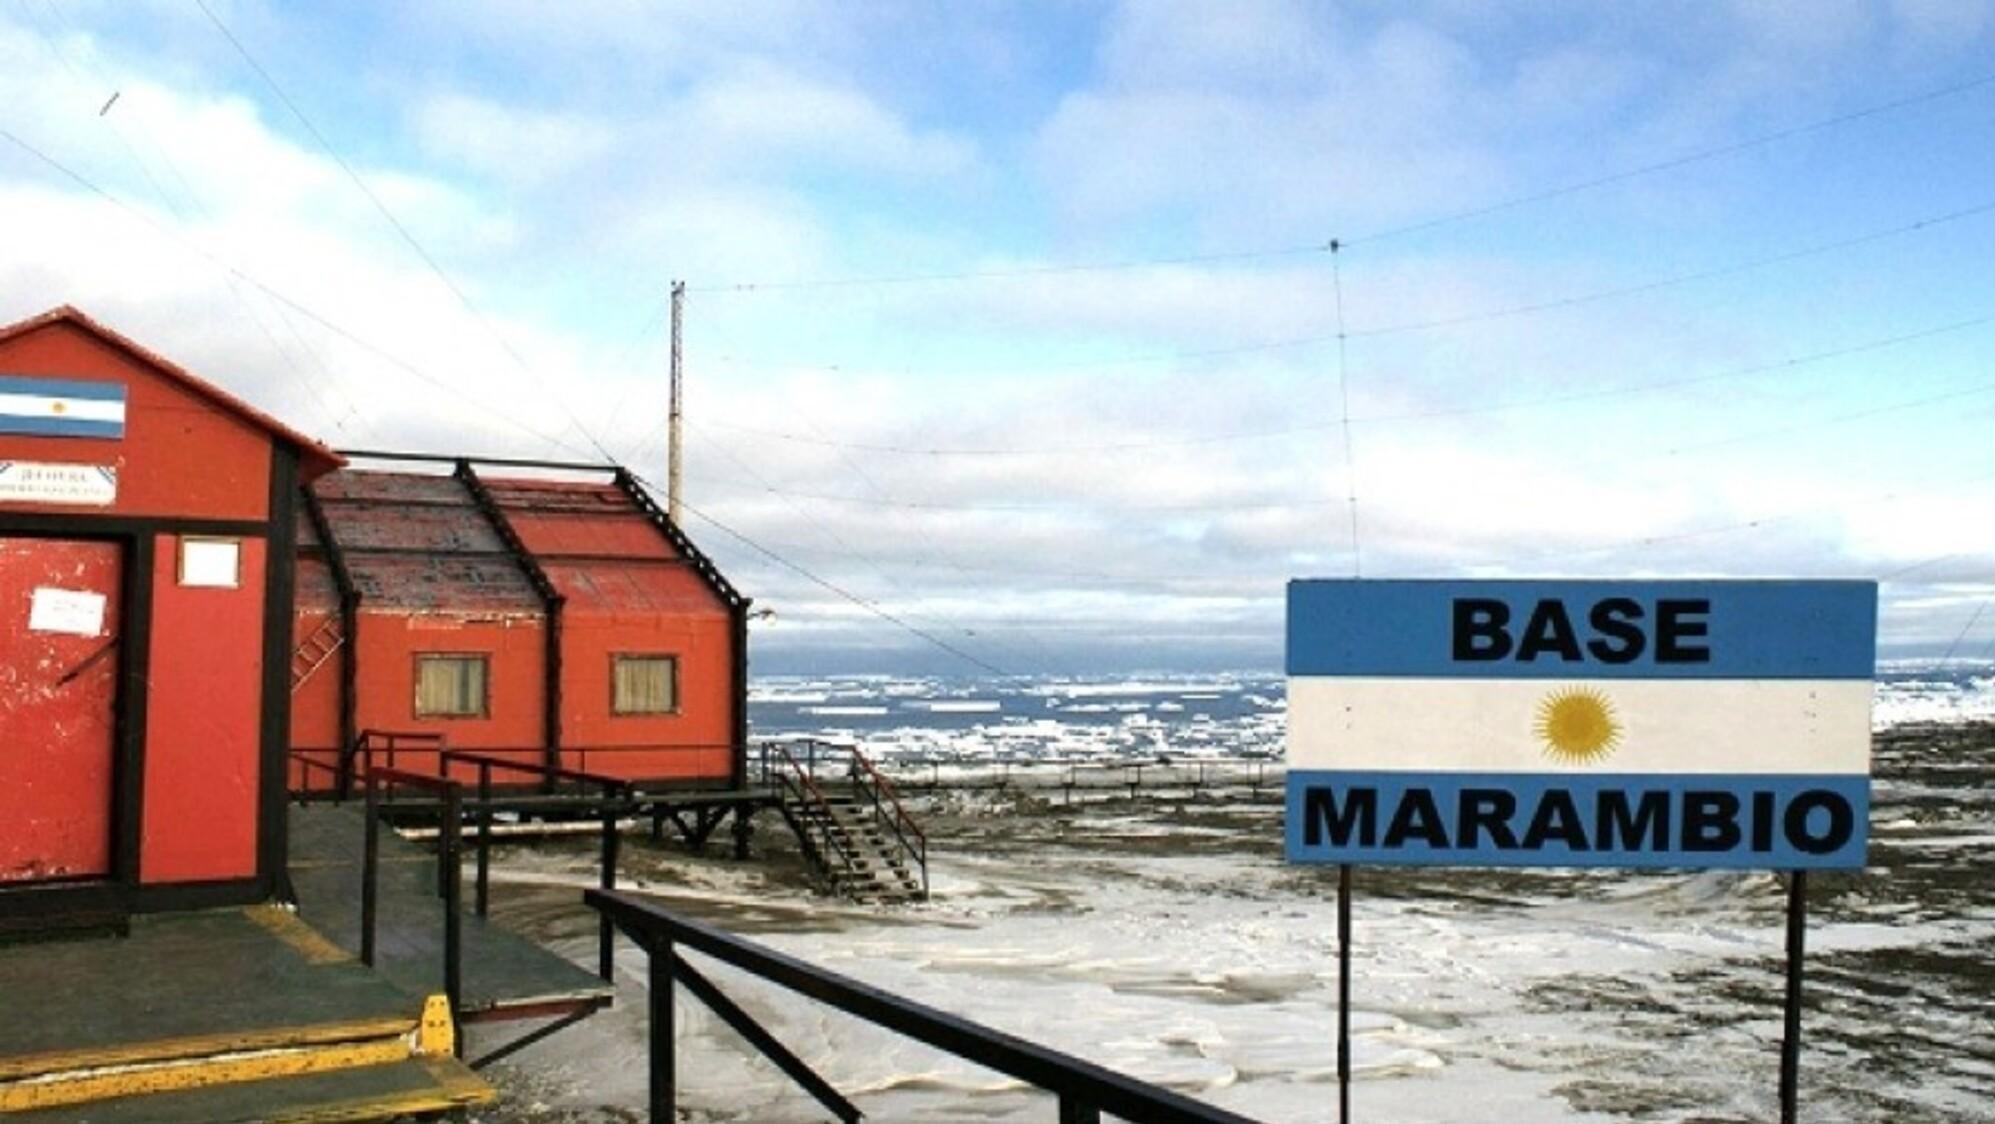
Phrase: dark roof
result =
(421, 542)
(415, 543)
(315, 457)
(605, 553)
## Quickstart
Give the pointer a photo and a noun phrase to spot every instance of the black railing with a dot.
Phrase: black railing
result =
(305, 767)
(704, 766)
(824, 766)
(804, 805)
(1085, 1090)
(874, 787)
(612, 803)
(1068, 774)
(449, 874)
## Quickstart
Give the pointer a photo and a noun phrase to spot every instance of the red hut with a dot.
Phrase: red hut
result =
(560, 621)
(146, 530)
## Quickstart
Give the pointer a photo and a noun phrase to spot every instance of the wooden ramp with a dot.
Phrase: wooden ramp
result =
(505, 975)
(218, 1015)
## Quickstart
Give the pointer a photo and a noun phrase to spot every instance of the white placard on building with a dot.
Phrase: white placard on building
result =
(211, 563)
(83, 485)
(72, 612)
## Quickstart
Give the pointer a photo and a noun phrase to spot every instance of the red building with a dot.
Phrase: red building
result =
(561, 621)
(147, 523)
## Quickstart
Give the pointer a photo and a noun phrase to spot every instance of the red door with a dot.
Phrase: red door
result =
(58, 688)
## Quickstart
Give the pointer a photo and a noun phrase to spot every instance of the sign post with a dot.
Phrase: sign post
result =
(1649, 724)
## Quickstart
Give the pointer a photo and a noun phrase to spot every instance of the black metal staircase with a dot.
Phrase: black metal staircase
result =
(849, 822)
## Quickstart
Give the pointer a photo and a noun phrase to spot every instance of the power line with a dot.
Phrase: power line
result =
(828, 532)
(1571, 300)
(823, 583)
(1979, 608)
(1755, 524)
(1620, 459)
(1011, 273)
(1689, 380)
(1728, 270)
(333, 415)
(477, 314)
(1043, 656)
(1696, 156)
(1558, 399)
(389, 357)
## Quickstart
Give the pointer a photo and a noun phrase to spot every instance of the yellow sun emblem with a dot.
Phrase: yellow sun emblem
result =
(1577, 725)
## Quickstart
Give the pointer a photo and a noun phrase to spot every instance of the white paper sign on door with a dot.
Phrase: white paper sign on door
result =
(73, 612)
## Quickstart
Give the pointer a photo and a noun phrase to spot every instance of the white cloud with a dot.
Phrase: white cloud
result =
(563, 163)
(507, 143)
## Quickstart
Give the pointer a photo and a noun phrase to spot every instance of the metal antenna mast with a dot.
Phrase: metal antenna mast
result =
(675, 438)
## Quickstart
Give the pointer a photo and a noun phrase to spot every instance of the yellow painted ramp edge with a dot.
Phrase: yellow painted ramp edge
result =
(432, 1037)
(202, 1045)
(78, 1087)
(456, 1087)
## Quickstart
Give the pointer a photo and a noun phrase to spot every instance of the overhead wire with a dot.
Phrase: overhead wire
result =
(1979, 608)
(401, 230)
(1757, 523)
(830, 586)
(1467, 214)
(1729, 270)
(552, 439)
(834, 588)
(336, 417)
(478, 314)
(1362, 419)
(762, 485)
(1551, 304)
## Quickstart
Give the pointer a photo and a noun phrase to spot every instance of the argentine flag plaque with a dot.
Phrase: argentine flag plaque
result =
(41, 407)
(1580, 723)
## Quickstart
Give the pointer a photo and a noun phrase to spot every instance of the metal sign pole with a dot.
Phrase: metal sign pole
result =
(1790, 1041)
(1344, 993)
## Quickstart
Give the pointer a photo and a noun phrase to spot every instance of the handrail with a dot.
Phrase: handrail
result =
(899, 819)
(1085, 1089)
(475, 757)
(449, 872)
(806, 788)
(869, 783)
(389, 743)
(615, 801)
(306, 763)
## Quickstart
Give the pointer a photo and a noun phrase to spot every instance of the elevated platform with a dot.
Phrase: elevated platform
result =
(236, 1014)
(506, 976)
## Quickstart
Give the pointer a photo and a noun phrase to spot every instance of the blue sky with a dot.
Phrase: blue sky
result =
(1013, 323)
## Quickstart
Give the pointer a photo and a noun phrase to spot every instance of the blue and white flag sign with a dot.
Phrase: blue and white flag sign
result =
(1580, 723)
(61, 407)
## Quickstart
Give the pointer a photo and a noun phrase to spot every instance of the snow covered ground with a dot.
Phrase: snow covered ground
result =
(1170, 940)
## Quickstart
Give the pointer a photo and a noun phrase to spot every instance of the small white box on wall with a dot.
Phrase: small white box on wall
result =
(210, 563)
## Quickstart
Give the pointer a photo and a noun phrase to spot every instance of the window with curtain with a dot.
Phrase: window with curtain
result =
(452, 686)
(644, 685)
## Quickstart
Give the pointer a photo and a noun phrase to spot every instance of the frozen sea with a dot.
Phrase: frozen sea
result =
(1165, 936)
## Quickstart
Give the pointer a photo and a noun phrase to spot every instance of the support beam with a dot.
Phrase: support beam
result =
(550, 598)
(745, 1025)
(349, 628)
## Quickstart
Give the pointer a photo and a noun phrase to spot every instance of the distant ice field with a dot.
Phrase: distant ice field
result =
(1148, 715)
